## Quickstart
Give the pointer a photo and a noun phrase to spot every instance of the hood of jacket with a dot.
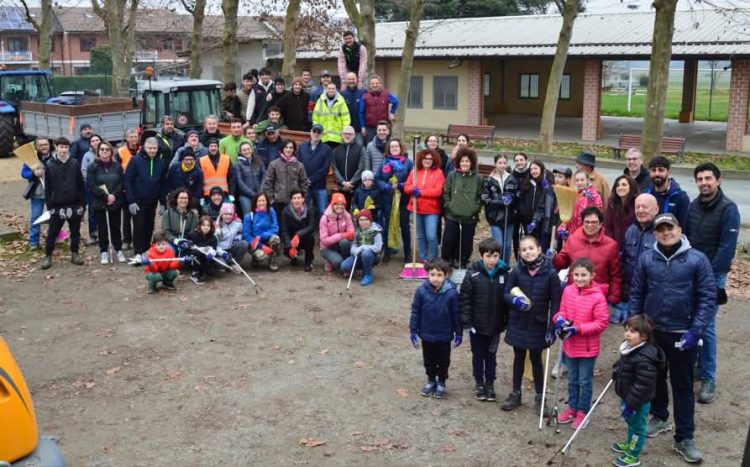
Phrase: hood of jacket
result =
(684, 246)
(447, 285)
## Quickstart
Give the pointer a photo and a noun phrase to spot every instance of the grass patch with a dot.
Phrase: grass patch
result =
(615, 103)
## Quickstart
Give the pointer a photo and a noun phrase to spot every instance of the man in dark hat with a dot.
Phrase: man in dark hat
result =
(186, 173)
(325, 78)
(83, 144)
(587, 162)
(193, 143)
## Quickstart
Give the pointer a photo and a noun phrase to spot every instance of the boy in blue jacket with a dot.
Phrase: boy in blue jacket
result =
(435, 319)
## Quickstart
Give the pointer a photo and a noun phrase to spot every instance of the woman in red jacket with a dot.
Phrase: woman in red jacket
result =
(427, 190)
(621, 208)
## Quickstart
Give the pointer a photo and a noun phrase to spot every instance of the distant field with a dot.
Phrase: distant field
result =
(616, 103)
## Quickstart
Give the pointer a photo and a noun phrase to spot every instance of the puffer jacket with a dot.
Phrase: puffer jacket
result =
(393, 166)
(461, 196)
(192, 180)
(144, 179)
(638, 239)
(588, 197)
(175, 224)
(604, 253)
(587, 310)
(636, 371)
(249, 177)
(531, 203)
(434, 313)
(678, 293)
(674, 200)
(227, 234)
(293, 224)
(492, 198)
(370, 239)
(482, 304)
(526, 329)
(430, 184)
(260, 224)
(111, 176)
(333, 227)
(160, 266)
(282, 177)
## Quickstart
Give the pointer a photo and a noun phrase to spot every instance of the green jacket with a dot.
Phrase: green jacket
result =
(260, 128)
(334, 119)
(231, 146)
(176, 225)
(461, 196)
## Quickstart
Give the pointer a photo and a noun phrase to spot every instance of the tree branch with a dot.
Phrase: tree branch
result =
(353, 12)
(30, 19)
(187, 7)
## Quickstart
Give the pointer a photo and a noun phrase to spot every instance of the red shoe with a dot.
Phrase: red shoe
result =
(567, 416)
(580, 417)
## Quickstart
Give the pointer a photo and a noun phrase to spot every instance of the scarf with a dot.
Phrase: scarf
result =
(626, 349)
(533, 265)
(299, 212)
(288, 160)
(379, 144)
(185, 168)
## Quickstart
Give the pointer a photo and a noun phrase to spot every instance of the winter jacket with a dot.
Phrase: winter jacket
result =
(605, 255)
(200, 240)
(587, 310)
(359, 201)
(493, 191)
(399, 167)
(375, 155)
(434, 313)
(230, 145)
(349, 160)
(430, 184)
(353, 96)
(294, 110)
(169, 144)
(333, 227)
(638, 239)
(260, 224)
(370, 239)
(228, 234)
(531, 203)
(36, 187)
(249, 177)
(674, 200)
(636, 372)
(199, 152)
(175, 224)
(617, 221)
(79, 148)
(86, 162)
(317, 163)
(482, 304)
(64, 185)
(678, 293)
(333, 119)
(111, 176)
(160, 266)
(526, 329)
(269, 151)
(206, 137)
(282, 177)
(145, 179)
(643, 179)
(588, 197)
(713, 228)
(461, 196)
(376, 106)
(294, 224)
(191, 180)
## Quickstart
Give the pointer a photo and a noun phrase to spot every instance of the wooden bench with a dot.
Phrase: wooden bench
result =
(475, 132)
(669, 145)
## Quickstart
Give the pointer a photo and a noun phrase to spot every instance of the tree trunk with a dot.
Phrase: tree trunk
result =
(658, 78)
(196, 39)
(407, 60)
(121, 34)
(44, 28)
(229, 40)
(289, 66)
(364, 23)
(547, 128)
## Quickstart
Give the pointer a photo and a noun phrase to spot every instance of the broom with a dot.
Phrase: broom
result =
(566, 202)
(414, 270)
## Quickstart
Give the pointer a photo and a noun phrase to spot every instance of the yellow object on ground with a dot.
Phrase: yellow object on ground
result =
(19, 437)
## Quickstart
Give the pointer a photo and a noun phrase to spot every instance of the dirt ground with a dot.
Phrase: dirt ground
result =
(300, 374)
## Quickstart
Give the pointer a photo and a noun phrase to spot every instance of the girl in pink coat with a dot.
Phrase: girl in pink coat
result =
(582, 318)
(587, 196)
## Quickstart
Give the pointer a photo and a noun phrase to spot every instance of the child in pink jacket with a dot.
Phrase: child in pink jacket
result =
(587, 197)
(582, 318)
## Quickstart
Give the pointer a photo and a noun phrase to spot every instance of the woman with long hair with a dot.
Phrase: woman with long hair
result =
(250, 173)
(390, 179)
(106, 203)
(621, 208)
(179, 219)
(535, 200)
(426, 190)
(500, 197)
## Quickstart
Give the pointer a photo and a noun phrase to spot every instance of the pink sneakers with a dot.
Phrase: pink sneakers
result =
(580, 416)
(328, 266)
(567, 416)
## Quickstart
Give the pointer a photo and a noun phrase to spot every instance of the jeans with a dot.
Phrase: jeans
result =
(37, 209)
(320, 198)
(483, 357)
(580, 382)
(503, 239)
(707, 353)
(335, 254)
(427, 242)
(437, 359)
(365, 262)
(245, 204)
(680, 365)
(637, 429)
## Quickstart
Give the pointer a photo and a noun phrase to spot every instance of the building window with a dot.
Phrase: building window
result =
(87, 43)
(445, 92)
(565, 87)
(529, 86)
(18, 44)
(415, 93)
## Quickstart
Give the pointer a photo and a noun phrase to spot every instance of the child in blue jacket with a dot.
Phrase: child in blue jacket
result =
(436, 320)
(261, 230)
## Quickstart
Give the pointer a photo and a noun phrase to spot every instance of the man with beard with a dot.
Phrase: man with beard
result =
(293, 107)
(352, 58)
(82, 145)
(670, 197)
(169, 140)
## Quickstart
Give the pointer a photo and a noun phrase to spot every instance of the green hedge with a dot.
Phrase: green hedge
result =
(79, 83)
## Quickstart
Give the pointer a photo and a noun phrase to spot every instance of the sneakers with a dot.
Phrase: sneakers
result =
(538, 406)
(308, 267)
(366, 280)
(626, 460)
(578, 422)
(127, 246)
(76, 259)
(168, 285)
(46, 262)
(197, 278)
(121, 257)
(686, 448)
(440, 391)
(567, 416)
(620, 447)
(328, 266)
(104, 258)
(480, 393)
(657, 426)
(151, 288)
(707, 393)
(272, 264)
(429, 388)
(136, 260)
(491, 397)
(512, 401)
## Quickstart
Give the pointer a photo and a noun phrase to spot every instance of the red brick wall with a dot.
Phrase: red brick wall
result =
(476, 98)
(739, 91)
(592, 78)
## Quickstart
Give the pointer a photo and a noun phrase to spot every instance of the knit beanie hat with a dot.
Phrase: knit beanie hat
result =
(338, 198)
(226, 208)
(366, 214)
(368, 175)
(216, 190)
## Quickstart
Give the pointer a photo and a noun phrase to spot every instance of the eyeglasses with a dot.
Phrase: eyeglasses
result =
(105, 150)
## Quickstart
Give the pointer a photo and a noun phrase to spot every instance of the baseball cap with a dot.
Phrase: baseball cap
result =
(317, 127)
(271, 129)
(666, 218)
(325, 73)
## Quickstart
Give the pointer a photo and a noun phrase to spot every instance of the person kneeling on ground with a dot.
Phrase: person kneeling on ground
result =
(203, 248)
(336, 232)
(216, 199)
(297, 227)
(261, 230)
(158, 268)
(366, 247)
(230, 245)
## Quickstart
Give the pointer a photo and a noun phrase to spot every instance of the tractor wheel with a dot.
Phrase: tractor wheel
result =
(7, 135)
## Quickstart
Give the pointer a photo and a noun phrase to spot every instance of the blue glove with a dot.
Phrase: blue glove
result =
(145, 261)
(415, 192)
(210, 256)
(400, 186)
(186, 259)
(183, 244)
(530, 228)
(520, 304)
(388, 188)
(588, 195)
(414, 340)
(688, 341)
(549, 336)
(560, 323)
(225, 256)
(457, 340)
(569, 331)
(507, 199)
(545, 182)
(625, 410)
(562, 234)
(550, 253)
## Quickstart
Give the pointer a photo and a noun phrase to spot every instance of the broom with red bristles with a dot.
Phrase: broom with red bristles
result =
(414, 270)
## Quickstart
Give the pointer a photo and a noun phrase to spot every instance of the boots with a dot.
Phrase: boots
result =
(513, 401)
(46, 262)
(272, 264)
(538, 406)
(75, 258)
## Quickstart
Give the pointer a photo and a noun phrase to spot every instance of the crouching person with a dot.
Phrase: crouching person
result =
(230, 245)
(261, 230)
(203, 249)
(158, 268)
(366, 247)
(297, 227)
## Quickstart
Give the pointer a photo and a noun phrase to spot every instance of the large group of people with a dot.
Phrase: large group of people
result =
(641, 248)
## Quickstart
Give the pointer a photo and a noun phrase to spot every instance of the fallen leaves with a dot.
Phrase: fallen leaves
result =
(447, 448)
(381, 446)
(738, 281)
(361, 364)
(112, 371)
(311, 442)
(174, 375)
(402, 392)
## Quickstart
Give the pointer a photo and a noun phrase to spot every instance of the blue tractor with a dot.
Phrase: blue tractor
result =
(17, 86)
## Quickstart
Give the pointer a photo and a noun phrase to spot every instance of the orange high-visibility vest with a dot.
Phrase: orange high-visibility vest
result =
(215, 176)
(125, 156)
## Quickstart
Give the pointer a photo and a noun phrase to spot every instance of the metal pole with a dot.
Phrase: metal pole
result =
(630, 85)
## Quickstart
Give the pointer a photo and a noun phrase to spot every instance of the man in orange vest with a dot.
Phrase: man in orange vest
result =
(124, 154)
(217, 170)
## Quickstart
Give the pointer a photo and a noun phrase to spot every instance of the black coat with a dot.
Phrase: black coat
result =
(110, 175)
(526, 329)
(292, 225)
(481, 299)
(492, 198)
(63, 184)
(635, 374)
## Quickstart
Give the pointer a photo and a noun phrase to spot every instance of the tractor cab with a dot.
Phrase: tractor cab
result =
(28, 85)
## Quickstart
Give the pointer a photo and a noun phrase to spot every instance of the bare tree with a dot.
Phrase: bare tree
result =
(119, 20)
(289, 65)
(197, 9)
(44, 28)
(229, 40)
(416, 10)
(364, 21)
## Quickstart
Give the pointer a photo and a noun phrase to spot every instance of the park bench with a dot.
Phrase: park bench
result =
(669, 145)
(475, 132)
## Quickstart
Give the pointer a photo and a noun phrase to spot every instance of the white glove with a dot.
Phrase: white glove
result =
(133, 208)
